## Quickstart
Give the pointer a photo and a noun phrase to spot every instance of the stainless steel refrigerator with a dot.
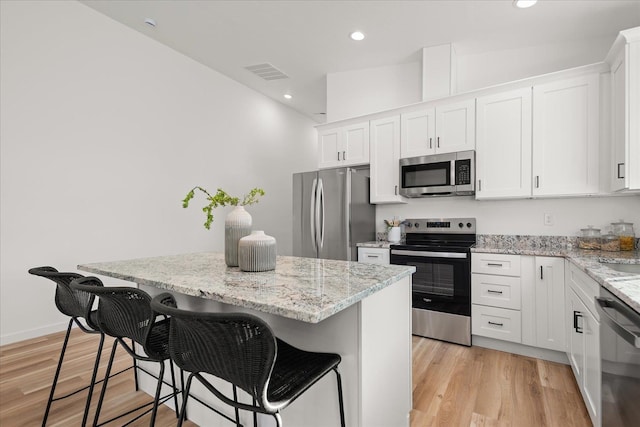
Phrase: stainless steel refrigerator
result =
(332, 213)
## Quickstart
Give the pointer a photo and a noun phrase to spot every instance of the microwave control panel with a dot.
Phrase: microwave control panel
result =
(463, 172)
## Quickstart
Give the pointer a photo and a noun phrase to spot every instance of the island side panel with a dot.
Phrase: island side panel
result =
(318, 406)
(385, 347)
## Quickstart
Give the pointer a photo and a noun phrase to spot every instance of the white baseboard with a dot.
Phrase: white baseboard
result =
(521, 349)
(33, 333)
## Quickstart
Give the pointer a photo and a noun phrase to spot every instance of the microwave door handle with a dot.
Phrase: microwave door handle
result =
(453, 173)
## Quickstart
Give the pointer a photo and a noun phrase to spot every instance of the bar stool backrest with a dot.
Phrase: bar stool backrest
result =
(71, 302)
(237, 347)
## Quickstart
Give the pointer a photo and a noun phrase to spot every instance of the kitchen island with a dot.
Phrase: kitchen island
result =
(360, 311)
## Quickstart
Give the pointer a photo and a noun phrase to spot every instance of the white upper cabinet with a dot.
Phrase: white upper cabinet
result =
(503, 145)
(444, 129)
(344, 146)
(624, 59)
(385, 161)
(565, 137)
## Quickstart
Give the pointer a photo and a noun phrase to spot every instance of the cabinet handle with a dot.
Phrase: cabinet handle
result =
(541, 273)
(438, 142)
(491, 291)
(620, 177)
(396, 190)
(576, 314)
(373, 256)
(338, 156)
(430, 142)
(495, 323)
(537, 181)
(344, 155)
(494, 265)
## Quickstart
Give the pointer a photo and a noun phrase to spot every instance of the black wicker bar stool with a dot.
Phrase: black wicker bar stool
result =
(242, 349)
(77, 306)
(125, 312)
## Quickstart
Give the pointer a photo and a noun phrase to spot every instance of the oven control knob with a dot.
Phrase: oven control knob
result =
(417, 225)
(409, 225)
(468, 225)
(460, 225)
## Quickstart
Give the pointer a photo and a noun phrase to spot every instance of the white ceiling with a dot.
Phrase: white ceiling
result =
(307, 39)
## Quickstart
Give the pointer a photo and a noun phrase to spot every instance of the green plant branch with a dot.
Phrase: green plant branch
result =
(221, 198)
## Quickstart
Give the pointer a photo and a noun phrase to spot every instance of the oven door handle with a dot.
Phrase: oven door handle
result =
(429, 254)
(619, 329)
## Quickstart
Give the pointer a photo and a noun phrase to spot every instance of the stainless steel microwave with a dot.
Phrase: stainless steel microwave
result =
(451, 174)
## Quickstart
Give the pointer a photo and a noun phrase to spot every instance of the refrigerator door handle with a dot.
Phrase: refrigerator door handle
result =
(320, 209)
(312, 210)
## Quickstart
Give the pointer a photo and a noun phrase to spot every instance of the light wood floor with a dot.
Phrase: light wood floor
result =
(452, 386)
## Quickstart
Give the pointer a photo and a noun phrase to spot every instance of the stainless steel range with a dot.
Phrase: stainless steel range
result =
(440, 249)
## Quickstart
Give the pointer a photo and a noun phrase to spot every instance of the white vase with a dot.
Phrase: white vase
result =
(237, 224)
(393, 235)
(257, 252)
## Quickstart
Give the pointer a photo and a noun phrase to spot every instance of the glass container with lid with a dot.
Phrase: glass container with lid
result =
(626, 235)
(610, 242)
(589, 238)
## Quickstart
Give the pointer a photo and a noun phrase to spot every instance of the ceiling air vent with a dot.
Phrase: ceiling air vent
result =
(267, 71)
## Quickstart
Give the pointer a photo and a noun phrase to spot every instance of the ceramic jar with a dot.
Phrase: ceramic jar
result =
(393, 235)
(257, 252)
(237, 224)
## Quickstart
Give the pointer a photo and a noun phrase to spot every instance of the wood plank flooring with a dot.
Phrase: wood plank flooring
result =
(452, 386)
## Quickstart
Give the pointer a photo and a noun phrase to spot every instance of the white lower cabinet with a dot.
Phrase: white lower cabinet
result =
(494, 322)
(373, 255)
(583, 337)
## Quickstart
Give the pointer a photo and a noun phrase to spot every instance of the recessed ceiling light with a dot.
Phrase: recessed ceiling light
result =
(288, 96)
(150, 22)
(357, 36)
(523, 4)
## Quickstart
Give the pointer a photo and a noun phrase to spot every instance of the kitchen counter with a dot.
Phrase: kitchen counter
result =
(382, 244)
(360, 311)
(625, 286)
(305, 289)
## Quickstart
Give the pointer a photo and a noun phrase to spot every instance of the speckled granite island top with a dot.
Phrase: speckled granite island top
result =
(305, 289)
(625, 286)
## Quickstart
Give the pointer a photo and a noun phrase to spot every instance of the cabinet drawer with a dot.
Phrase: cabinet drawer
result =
(495, 291)
(373, 255)
(585, 288)
(500, 264)
(498, 323)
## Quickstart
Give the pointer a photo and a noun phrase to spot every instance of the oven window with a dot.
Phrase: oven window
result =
(434, 279)
(426, 175)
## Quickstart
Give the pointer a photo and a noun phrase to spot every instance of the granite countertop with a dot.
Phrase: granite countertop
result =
(383, 244)
(305, 289)
(625, 286)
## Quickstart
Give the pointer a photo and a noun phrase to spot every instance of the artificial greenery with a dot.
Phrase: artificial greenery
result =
(222, 198)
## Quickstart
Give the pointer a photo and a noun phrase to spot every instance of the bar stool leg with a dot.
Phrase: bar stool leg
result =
(93, 380)
(340, 400)
(104, 384)
(55, 377)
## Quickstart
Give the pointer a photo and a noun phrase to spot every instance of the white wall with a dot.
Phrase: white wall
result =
(103, 132)
(523, 216)
(476, 71)
(360, 92)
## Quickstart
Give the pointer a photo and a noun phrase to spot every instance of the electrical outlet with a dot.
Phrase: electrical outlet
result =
(548, 219)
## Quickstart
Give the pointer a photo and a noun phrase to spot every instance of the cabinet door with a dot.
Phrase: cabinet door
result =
(618, 124)
(503, 145)
(565, 136)
(549, 300)
(329, 142)
(455, 127)
(592, 372)
(575, 346)
(417, 133)
(385, 160)
(354, 149)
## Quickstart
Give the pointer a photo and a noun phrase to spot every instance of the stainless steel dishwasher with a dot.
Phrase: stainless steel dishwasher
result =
(620, 361)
